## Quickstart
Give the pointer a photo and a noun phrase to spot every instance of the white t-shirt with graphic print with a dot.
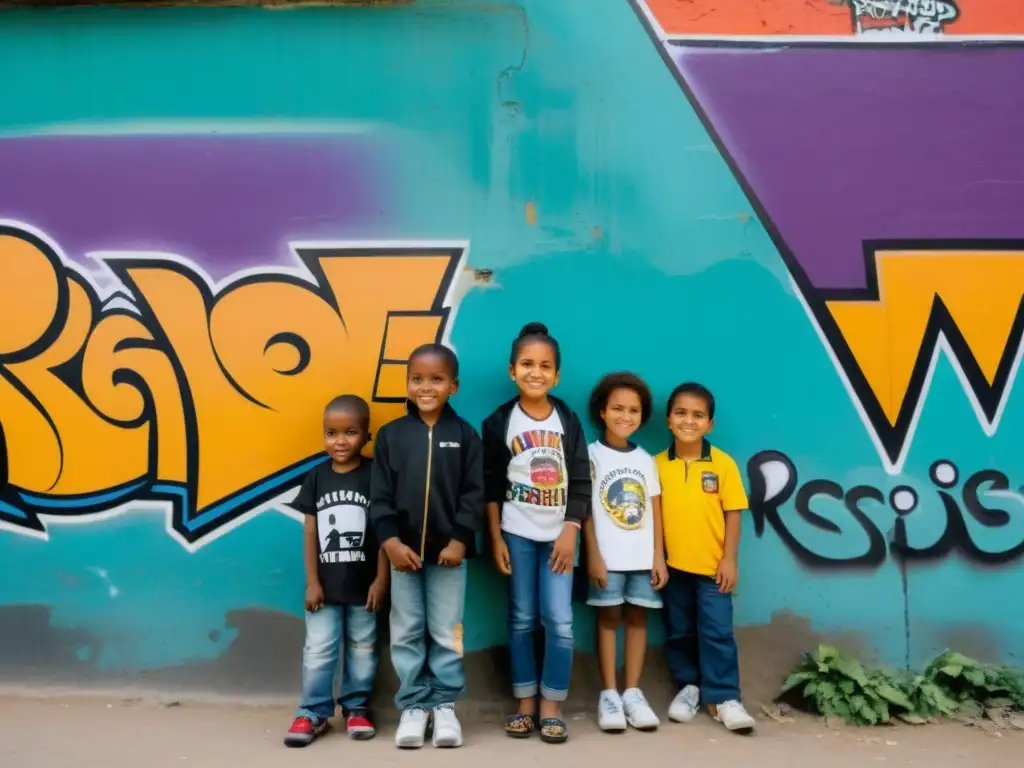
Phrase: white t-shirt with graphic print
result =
(625, 482)
(538, 487)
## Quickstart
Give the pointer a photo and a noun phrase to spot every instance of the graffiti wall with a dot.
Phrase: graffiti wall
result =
(188, 273)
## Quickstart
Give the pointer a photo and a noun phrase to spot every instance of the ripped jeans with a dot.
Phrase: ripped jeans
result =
(332, 633)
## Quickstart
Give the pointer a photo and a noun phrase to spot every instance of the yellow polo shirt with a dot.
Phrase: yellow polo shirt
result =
(694, 500)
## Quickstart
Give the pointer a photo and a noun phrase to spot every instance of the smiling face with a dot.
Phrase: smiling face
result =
(430, 383)
(535, 371)
(345, 434)
(688, 419)
(622, 415)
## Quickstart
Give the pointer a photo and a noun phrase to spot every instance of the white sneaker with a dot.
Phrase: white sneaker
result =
(684, 706)
(733, 716)
(447, 729)
(638, 712)
(412, 728)
(610, 716)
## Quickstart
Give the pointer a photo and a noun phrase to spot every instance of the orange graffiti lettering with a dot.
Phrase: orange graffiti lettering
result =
(207, 398)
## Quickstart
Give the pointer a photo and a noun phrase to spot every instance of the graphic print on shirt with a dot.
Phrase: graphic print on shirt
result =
(544, 483)
(623, 496)
(341, 526)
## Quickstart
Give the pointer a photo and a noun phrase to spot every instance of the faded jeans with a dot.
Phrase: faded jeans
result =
(428, 603)
(334, 632)
(539, 597)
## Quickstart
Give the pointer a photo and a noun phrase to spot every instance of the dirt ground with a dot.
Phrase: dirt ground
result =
(83, 732)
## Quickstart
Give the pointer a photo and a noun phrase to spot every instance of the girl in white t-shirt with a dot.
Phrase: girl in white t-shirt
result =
(537, 489)
(625, 548)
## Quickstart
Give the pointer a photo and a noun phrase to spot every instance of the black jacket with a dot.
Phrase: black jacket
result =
(577, 461)
(426, 511)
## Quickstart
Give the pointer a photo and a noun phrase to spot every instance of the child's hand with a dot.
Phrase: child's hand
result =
(314, 597)
(597, 570)
(659, 574)
(564, 551)
(375, 598)
(401, 556)
(727, 575)
(502, 559)
(451, 556)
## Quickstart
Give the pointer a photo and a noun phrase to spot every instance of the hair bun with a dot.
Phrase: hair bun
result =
(534, 329)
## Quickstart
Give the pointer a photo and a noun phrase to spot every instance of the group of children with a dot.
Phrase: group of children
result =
(658, 532)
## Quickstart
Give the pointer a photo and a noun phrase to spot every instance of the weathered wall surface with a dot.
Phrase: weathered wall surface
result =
(215, 220)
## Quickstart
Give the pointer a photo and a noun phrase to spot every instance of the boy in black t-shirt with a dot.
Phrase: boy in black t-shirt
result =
(346, 578)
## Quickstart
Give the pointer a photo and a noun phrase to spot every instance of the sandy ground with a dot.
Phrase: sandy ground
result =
(113, 733)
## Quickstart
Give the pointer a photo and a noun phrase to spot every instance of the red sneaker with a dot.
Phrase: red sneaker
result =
(359, 725)
(304, 730)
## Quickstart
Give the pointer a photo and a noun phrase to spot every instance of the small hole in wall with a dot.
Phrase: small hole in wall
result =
(482, 275)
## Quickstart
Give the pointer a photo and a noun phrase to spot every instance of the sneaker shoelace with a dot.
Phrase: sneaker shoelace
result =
(610, 705)
(689, 699)
(409, 714)
(637, 698)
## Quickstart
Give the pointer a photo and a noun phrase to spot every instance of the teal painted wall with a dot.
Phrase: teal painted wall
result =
(555, 140)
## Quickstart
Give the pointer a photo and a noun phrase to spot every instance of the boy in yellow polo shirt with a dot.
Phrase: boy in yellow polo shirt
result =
(702, 498)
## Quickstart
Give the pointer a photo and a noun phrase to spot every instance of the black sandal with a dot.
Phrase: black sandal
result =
(553, 731)
(520, 726)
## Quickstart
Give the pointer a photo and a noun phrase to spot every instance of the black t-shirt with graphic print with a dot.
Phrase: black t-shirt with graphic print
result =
(348, 550)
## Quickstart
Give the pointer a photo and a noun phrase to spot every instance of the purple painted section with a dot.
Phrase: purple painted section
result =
(847, 144)
(227, 202)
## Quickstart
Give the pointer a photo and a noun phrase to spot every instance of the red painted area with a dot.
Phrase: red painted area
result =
(813, 17)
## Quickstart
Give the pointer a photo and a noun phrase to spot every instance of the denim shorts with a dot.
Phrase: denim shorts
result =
(633, 587)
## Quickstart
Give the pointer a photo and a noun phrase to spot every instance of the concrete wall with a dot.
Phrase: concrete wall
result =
(215, 220)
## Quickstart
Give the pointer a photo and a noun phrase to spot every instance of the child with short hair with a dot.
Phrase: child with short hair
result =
(426, 504)
(624, 544)
(346, 578)
(537, 479)
(702, 498)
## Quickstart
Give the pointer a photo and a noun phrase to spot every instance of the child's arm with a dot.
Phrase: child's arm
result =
(471, 500)
(578, 507)
(311, 558)
(383, 514)
(495, 481)
(305, 502)
(728, 569)
(734, 502)
(597, 571)
(499, 549)
(659, 577)
(495, 469)
(379, 587)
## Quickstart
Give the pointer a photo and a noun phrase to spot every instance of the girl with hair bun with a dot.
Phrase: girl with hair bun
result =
(537, 488)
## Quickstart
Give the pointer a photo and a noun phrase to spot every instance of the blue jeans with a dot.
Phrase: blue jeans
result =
(325, 629)
(699, 645)
(428, 602)
(538, 597)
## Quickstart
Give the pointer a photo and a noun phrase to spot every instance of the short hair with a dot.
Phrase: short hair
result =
(352, 404)
(619, 380)
(530, 333)
(695, 389)
(451, 360)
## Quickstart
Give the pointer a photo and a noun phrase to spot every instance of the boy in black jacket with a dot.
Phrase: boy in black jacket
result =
(426, 504)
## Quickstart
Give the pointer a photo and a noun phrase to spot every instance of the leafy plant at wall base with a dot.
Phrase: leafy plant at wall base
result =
(928, 701)
(836, 684)
(965, 679)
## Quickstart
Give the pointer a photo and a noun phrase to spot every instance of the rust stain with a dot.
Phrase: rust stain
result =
(531, 213)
